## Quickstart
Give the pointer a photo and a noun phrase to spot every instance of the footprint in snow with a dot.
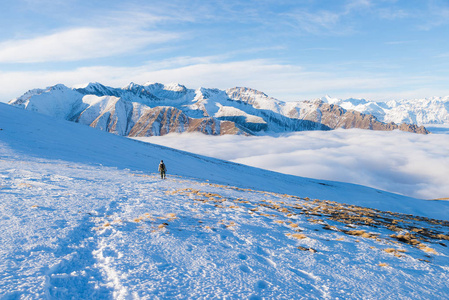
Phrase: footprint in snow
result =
(244, 268)
(261, 284)
(242, 256)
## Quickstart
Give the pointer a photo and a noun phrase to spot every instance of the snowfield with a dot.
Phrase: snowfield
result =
(83, 215)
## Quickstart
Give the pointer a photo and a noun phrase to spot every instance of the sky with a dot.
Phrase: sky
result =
(400, 162)
(290, 49)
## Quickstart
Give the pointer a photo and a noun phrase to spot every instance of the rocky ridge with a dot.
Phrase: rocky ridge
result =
(157, 109)
(418, 111)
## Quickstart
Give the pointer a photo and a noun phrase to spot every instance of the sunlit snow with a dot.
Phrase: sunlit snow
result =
(83, 215)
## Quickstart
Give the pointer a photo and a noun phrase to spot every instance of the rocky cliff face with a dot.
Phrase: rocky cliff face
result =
(133, 119)
(157, 109)
(335, 116)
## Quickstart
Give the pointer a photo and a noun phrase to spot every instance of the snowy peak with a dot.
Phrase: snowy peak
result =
(255, 98)
(172, 90)
(330, 100)
(96, 88)
(58, 101)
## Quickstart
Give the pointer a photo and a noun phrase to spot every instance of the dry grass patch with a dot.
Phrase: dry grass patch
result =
(231, 224)
(407, 238)
(395, 252)
(162, 226)
(328, 227)
(298, 236)
(442, 236)
(242, 201)
(315, 221)
(427, 249)
(307, 249)
(361, 233)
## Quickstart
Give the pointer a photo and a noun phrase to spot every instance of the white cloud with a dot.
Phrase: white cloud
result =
(320, 22)
(285, 82)
(390, 14)
(410, 164)
(79, 43)
(437, 15)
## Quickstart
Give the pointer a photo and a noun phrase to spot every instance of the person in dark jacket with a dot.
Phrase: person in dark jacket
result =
(162, 169)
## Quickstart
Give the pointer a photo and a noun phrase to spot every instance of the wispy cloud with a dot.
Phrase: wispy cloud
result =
(79, 44)
(357, 4)
(321, 22)
(443, 55)
(283, 81)
(392, 14)
(436, 16)
(343, 19)
(288, 82)
(401, 42)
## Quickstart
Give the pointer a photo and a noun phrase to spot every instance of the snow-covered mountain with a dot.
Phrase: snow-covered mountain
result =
(157, 109)
(419, 111)
(84, 216)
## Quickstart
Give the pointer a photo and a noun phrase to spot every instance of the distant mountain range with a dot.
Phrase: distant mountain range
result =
(157, 109)
(418, 111)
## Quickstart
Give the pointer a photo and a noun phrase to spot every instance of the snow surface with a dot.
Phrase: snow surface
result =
(229, 111)
(84, 216)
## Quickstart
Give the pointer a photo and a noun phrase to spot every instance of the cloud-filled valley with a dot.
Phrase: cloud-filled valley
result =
(410, 164)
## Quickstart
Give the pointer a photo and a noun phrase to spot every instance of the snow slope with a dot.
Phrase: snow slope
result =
(83, 216)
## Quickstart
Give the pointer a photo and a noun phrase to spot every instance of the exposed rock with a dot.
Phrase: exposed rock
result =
(335, 116)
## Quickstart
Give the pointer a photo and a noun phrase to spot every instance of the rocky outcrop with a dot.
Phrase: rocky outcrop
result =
(159, 121)
(335, 116)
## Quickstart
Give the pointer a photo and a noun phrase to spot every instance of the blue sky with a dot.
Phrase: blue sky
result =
(291, 50)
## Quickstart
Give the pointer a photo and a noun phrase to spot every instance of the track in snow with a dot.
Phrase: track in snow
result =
(72, 230)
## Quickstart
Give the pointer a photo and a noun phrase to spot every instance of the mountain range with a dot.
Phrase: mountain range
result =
(418, 111)
(157, 109)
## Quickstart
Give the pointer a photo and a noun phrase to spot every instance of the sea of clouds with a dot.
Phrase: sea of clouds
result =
(406, 163)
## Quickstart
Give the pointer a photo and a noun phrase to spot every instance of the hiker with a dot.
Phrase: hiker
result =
(162, 169)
